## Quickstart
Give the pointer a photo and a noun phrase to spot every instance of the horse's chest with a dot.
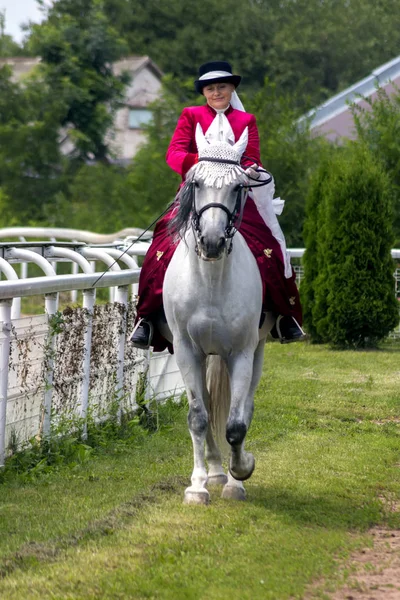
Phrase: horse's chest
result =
(213, 331)
(218, 308)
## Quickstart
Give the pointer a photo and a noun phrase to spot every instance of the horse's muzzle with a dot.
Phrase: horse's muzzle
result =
(211, 247)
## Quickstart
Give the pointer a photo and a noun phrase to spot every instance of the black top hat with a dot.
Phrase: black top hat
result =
(218, 65)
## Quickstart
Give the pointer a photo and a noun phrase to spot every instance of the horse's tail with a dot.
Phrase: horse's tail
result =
(219, 389)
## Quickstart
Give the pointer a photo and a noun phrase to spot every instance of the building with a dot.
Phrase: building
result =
(333, 119)
(144, 88)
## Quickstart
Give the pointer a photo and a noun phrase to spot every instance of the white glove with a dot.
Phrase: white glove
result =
(251, 172)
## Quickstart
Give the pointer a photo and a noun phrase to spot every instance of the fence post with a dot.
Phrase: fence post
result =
(5, 324)
(89, 297)
(121, 297)
(51, 305)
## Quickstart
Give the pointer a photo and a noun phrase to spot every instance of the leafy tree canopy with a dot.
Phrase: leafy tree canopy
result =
(78, 46)
(309, 48)
(30, 160)
(8, 47)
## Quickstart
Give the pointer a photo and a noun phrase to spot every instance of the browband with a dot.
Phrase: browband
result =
(220, 160)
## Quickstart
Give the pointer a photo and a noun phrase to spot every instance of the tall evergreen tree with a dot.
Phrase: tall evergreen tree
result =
(355, 305)
(313, 260)
(379, 128)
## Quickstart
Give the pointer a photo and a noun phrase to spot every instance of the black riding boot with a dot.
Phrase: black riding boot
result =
(142, 334)
(288, 330)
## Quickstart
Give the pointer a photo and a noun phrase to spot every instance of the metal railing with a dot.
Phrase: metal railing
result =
(43, 334)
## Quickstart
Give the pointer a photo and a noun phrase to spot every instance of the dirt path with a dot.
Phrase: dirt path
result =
(377, 570)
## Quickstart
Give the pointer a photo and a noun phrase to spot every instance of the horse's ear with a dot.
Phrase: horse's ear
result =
(241, 144)
(201, 141)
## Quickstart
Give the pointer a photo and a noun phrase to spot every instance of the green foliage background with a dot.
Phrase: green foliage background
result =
(292, 55)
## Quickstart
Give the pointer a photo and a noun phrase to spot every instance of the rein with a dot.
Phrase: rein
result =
(233, 215)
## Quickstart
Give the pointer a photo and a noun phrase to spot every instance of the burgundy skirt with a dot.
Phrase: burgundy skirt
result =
(280, 294)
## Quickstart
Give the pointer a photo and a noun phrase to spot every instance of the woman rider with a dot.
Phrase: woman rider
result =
(222, 118)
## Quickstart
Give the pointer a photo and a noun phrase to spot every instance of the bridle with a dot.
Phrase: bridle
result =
(233, 215)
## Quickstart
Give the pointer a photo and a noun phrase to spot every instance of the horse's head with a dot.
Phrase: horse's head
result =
(214, 195)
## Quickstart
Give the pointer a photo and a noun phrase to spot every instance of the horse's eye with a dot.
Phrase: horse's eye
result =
(196, 184)
(237, 188)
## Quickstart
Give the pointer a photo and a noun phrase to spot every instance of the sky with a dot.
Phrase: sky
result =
(17, 12)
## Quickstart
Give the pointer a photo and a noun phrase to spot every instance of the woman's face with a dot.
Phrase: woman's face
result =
(218, 95)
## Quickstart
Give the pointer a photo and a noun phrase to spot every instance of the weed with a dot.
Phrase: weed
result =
(72, 440)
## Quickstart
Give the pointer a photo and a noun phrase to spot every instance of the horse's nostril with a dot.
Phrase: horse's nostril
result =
(221, 243)
(202, 240)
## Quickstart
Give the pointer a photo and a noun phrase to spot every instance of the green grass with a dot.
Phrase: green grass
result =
(326, 437)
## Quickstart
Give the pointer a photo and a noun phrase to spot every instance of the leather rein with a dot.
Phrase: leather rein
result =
(233, 215)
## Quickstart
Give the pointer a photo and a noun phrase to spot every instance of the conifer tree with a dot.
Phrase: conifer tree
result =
(313, 261)
(354, 301)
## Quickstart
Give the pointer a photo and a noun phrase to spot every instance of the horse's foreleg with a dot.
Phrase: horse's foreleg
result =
(234, 489)
(192, 368)
(245, 371)
(217, 400)
(216, 473)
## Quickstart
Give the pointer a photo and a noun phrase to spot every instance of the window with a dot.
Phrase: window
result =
(139, 117)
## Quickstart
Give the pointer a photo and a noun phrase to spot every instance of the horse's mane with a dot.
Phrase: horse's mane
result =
(180, 221)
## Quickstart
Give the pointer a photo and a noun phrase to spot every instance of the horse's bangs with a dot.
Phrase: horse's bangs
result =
(180, 221)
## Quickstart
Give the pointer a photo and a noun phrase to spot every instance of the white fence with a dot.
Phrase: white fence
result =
(78, 359)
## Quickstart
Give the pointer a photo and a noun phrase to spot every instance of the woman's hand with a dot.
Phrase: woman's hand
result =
(251, 171)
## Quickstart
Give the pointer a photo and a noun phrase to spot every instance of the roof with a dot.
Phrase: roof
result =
(22, 65)
(136, 64)
(382, 76)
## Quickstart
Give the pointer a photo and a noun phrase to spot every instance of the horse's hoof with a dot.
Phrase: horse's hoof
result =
(241, 474)
(233, 492)
(196, 497)
(217, 479)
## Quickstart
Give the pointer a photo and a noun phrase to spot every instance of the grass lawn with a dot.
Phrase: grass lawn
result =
(326, 437)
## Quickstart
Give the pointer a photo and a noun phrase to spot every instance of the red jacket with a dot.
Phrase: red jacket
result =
(182, 151)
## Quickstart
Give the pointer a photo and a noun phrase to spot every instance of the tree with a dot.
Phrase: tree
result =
(179, 35)
(30, 162)
(288, 151)
(352, 295)
(315, 52)
(378, 126)
(314, 261)
(78, 47)
(113, 198)
(306, 47)
(151, 184)
(7, 45)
